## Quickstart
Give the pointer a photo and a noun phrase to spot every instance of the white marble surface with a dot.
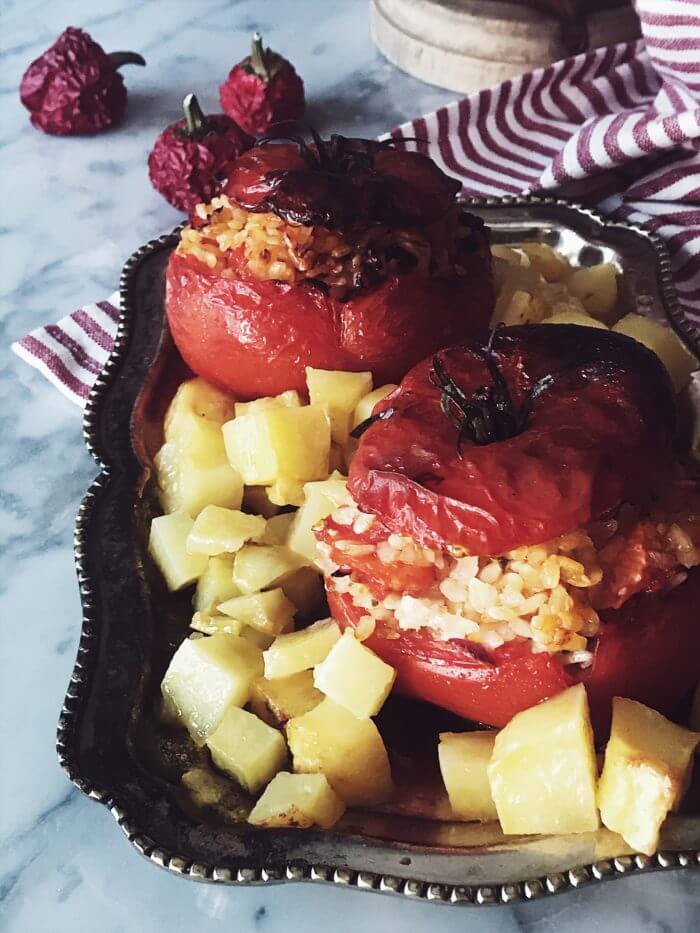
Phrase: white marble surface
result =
(72, 211)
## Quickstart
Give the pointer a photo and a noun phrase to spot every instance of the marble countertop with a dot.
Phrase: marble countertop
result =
(72, 211)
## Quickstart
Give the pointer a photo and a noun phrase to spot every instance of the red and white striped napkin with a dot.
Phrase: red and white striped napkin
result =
(617, 127)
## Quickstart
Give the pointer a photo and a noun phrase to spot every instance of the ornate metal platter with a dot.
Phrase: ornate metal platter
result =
(111, 744)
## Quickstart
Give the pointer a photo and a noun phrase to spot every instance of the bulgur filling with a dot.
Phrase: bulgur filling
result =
(549, 593)
(339, 261)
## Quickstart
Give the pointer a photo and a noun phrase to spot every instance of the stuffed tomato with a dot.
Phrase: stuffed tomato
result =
(345, 255)
(520, 522)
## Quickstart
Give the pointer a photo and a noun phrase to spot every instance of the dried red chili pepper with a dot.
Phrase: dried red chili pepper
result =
(74, 88)
(261, 90)
(189, 160)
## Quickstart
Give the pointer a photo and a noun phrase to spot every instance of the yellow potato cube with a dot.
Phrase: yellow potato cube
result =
(188, 481)
(677, 359)
(288, 399)
(320, 499)
(167, 545)
(247, 748)
(213, 623)
(269, 612)
(305, 589)
(648, 764)
(302, 650)
(365, 406)
(280, 442)
(574, 317)
(286, 492)
(277, 528)
(257, 502)
(464, 759)
(223, 531)
(206, 676)
(515, 306)
(340, 392)
(260, 566)
(215, 585)
(596, 287)
(354, 677)
(543, 769)
(299, 800)
(200, 398)
(349, 751)
(276, 701)
(550, 264)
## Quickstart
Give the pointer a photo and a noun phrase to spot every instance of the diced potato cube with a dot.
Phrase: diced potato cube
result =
(257, 502)
(515, 306)
(300, 800)
(167, 546)
(550, 264)
(213, 623)
(276, 701)
(247, 748)
(187, 483)
(288, 399)
(677, 359)
(207, 675)
(269, 612)
(648, 763)
(277, 528)
(223, 531)
(215, 585)
(280, 442)
(305, 589)
(354, 677)
(596, 287)
(365, 406)
(300, 651)
(197, 397)
(320, 499)
(574, 317)
(340, 392)
(260, 566)
(349, 751)
(464, 759)
(286, 492)
(543, 769)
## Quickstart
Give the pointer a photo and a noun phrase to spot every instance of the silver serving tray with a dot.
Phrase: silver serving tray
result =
(111, 749)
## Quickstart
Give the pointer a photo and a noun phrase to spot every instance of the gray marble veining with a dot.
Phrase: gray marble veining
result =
(72, 211)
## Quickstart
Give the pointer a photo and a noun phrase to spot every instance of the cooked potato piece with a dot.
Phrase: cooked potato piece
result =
(167, 546)
(302, 650)
(305, 589)
(269, 612)
(280, 442)
(596, 287)
(464, 759)
(320, 499)
(215, 585)
(349, 751)
(354, 677)
(574, 317)
(648, 764)
(514, 306)
(206, 676)
(340, 392)
(260, 639)
(678, 360)
(514, 257)
(288, 399)
(276, 701)
(213, 623)
(188, 483)
(223, 531)
(260, 566)
(543, 769)
(550, 264)
(286, 492)
(365, 406)
(200, 398)
(257, 502)
(300, 800)
(247, 748)
(277, 528)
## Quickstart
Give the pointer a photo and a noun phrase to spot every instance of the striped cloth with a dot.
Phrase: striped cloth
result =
(617, 127)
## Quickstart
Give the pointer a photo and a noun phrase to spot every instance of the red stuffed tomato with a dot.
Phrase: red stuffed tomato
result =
(345, 255)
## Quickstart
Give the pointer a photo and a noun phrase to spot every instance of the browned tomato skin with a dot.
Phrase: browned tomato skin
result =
(589, 443)
(256, 337)
(648, 650)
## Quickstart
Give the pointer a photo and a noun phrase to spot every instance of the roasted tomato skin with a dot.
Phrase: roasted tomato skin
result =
(568, 465)
(255, 337)
(648, 650)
